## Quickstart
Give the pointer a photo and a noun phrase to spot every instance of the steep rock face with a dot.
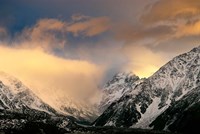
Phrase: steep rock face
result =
(150, 97)
(116, 87)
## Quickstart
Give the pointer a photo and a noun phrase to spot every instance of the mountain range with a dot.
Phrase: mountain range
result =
(168, 100)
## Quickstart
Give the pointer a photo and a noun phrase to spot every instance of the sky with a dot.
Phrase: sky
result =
(74, 46)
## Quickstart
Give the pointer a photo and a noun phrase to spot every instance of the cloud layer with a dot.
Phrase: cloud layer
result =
(51, 76)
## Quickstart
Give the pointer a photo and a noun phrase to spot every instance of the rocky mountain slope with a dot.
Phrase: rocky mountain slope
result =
(148, 98)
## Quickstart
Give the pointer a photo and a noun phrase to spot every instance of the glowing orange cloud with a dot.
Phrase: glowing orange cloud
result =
(51, 34)
(50, 76)
(45, 34)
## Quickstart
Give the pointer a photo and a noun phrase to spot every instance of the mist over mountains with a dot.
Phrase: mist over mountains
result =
(166, 101)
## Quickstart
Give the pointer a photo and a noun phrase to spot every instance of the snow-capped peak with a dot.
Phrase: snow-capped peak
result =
(119, 79)
(116, 87)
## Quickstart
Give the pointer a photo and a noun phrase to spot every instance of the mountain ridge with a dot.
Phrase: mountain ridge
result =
(154, 94)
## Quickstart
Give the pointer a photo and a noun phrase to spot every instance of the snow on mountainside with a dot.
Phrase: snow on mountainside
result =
(115, 88)
(16, 97)
(144, 101)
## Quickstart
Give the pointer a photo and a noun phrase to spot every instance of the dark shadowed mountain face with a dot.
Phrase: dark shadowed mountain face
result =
(147, 99)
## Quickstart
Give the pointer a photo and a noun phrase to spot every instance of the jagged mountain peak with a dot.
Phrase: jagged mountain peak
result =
(120, 78)
(115, 88)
